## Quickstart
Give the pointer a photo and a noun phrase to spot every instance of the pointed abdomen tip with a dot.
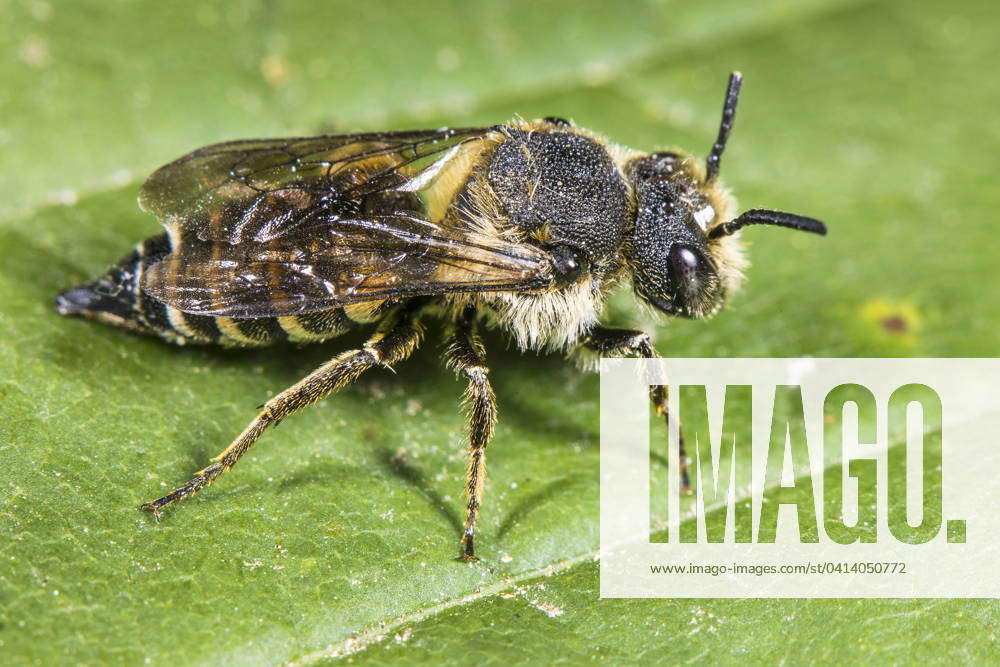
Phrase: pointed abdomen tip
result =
(76, 300)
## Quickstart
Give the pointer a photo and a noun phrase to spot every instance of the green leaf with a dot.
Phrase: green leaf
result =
(337, 533)
(527, 619)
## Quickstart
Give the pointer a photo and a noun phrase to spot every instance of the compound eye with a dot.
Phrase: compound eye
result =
(684, 262)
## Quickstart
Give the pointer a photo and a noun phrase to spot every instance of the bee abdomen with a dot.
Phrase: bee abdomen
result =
(260, 331)
(116, 298)
(257, 331)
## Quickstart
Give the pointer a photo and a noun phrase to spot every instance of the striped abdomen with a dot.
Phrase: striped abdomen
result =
(117, 299)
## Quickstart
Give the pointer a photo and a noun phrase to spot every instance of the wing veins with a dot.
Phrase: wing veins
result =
(294, 206)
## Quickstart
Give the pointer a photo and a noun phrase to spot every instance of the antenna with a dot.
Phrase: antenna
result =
(759, 216)
(725, 127)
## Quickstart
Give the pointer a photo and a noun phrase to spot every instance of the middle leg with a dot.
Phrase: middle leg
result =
(466, 356)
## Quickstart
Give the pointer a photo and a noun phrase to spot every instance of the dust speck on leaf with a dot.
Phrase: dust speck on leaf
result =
(448, 59)
(35, 52)
(596, 73)
(67, 197)
(275, 70)
(40, 11)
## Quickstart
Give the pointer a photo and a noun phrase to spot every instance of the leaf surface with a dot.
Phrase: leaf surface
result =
(338, 531)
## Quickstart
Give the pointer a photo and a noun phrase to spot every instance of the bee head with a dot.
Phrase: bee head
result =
(683, 256)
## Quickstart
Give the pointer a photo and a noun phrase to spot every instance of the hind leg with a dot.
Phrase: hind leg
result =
(395, 340)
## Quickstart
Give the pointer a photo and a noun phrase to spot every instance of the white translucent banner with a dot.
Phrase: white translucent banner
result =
(808, 478)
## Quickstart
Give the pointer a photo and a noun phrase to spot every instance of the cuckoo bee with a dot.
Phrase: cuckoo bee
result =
(525, 226)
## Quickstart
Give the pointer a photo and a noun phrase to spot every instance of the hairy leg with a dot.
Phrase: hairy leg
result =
(630, 341)
(394, 340)
(465, 355)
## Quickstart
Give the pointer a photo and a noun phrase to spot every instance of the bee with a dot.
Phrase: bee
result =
(525, 226)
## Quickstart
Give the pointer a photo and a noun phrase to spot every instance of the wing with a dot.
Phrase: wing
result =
(289, 226)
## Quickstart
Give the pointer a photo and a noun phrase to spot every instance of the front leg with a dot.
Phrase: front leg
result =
(607, 341)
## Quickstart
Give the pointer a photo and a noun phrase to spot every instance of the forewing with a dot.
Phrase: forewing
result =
(281, 227)
(218, 191)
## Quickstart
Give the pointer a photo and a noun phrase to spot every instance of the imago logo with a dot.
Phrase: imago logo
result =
(799, 477)
(912, 416)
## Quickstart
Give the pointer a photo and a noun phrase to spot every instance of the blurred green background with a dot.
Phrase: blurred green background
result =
(335, 536)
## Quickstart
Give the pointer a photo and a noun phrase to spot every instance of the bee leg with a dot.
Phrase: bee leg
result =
(465, 355)
(629, 341)
(396, 337)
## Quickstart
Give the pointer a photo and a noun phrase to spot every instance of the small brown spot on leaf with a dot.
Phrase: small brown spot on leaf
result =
(895, 324)
(895, 321)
